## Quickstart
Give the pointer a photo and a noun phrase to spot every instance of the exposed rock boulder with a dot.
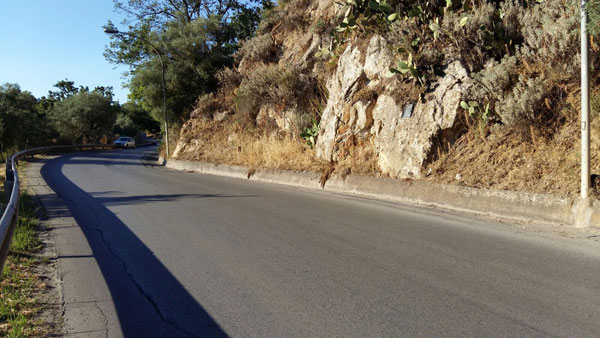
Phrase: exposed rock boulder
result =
(220, 116)
(187, 146)
(378, 60)
(342, 86)
(403, 145)
(282, 119)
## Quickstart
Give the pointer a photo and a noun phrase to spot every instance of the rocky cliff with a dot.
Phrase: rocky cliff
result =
(399, 89)
(363, 108)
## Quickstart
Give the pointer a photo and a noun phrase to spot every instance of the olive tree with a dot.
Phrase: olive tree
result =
(84, 117)
(21, 123)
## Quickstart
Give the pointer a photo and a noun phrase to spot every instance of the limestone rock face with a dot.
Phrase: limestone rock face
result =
(189, 146)
(403, 145)
(355, 71)
(378, 60)
(283, 120)
(363, 116)
(341, 88)
(186, 142)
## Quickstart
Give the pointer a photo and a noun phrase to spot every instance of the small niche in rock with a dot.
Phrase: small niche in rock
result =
(408, 110)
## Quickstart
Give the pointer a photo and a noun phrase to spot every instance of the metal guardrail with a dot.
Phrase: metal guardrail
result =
(12, 184)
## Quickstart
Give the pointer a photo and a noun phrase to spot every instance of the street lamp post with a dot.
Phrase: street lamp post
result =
(585, 106)
(115, 31)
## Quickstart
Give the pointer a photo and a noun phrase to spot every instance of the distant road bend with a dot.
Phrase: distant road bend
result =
(152, 252)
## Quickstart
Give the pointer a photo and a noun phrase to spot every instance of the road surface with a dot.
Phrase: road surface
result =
(148, 252)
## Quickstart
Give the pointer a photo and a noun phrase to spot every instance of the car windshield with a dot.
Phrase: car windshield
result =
(123, 139)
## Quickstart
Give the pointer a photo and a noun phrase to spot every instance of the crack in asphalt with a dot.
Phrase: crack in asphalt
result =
(124, 264)
(127, 271)
(63, 303)
(103, 316)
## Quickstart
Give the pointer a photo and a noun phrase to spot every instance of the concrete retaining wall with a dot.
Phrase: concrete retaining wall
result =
(506, 204)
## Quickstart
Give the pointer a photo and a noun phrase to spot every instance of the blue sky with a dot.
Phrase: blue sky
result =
(44, 41)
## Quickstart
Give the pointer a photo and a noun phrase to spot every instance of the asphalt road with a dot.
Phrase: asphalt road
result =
(152, 252)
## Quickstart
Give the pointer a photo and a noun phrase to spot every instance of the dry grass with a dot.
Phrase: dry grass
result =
(230, 143)
(357, 155)
(543, 163)
(273, 152)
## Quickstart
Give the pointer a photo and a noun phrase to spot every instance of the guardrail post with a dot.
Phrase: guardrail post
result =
(4, 248)
(8, 181)
(8, 168)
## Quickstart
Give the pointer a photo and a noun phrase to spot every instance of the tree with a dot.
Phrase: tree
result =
(132, 119)
(84, 117)
(159, 12)
(66, 89)
(196, 37)
(21, 124)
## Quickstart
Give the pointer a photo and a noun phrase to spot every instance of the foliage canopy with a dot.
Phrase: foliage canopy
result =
(21, 124)
(84, 117)
(196, 38)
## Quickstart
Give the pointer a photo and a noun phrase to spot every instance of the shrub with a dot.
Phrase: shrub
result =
(270, 18)
(496, 79)
(310, 133)
(475, 37)
(267, 85)
(260, 48)
(523, 103)
(434, 34)
(548, 58)
(289, 14)
(408, 37)
(594, 16)
(282, 89)
(529, 87)
(551, 39)
(229, 79)
(207, 105)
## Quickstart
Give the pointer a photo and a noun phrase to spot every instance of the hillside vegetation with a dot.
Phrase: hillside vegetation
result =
(312, 90)
(68, 115)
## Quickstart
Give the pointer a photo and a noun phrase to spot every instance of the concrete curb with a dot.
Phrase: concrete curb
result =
(147, 143)
(521, 206)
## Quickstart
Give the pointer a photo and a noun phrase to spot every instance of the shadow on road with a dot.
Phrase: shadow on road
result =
(149, 300)
(135, 200)
(132, 200)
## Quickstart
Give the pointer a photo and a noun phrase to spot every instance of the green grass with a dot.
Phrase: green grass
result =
(20, 327)
(25, 239)
(17, 305)
(19, 282)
